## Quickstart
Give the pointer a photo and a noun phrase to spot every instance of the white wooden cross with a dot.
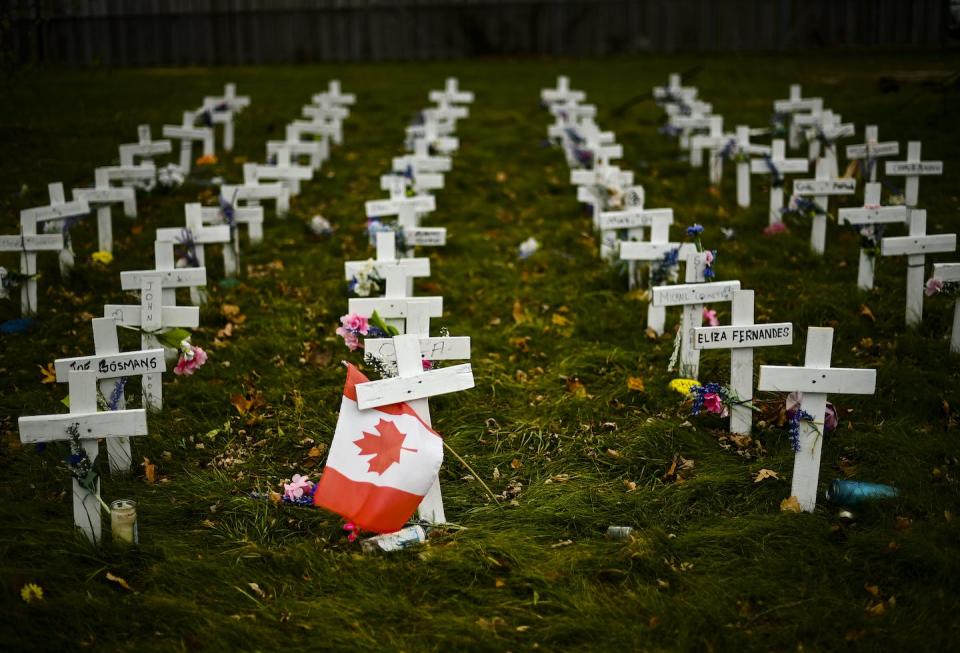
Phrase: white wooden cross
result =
(335, 95)
(91, 426)
(451, 94)
(692, 296)
(653, 252)
(144, 149)
(777, 165)
(592, 185)
(194, 236)
(872, 215)
(328, 115)
(421, 160)
(741, 337)
(109, 367)
(101, 197)
(287, 173)
(950, 273)
(407, 209)
(398, 274)
(415, 386)
(407, 314)
(561, 93)
(915, 247)
(251, 192)
(315, 128)
(831, 128)
(222, 108)
(913, 168)
(57, 211)
(688, 119)
(713, 140)
(871, 150)
(251, 216)
(313, 153)
(156, 313)
(744, 164)
(819, 191)
(816, 379)
(27, 245)
(796, 103)
(187, 132)
(633, 220)
(674, 92)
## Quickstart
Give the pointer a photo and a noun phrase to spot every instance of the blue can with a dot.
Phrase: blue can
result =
(851, 493)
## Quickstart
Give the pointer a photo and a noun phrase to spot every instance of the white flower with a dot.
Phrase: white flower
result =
(320, 226)
(528, 247)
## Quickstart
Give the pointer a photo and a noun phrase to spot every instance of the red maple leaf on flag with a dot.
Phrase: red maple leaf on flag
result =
(385, 447)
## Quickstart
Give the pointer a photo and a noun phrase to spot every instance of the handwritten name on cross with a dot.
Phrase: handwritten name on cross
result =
(816, 379)
(912, 169)
(91, 425)
(915, 247)
(777, 165)
(741, 337)
(871, 216)
(415, 386)
(820, 190)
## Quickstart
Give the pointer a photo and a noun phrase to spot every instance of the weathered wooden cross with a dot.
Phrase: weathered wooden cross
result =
(654, 253)
(915, 247)
(58, 211)
(144, 149)
(871, 150)
(27, 245)
(796, 103)
(187, 132)
(815, 380)
(741, 337)
(90, 426)
(913, 168)
(451, 93)
(251, 192)
(287, 173)
(221, 109)
(193, 237)
(777, 165)
(101, 197)
(819, 191)
(872, 216)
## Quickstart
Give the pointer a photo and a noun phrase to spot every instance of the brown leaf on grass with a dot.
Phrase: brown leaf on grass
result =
(867, 313)
(635, 383)
(229, 311)
(560, 320)
(519, 313)
(118, 581)
(521, 343)
(576, 388)
(241, 403)
(764, 474)
(872, 590)
(316, 452)
(149, 470)
(275, 498)
(516, 463)
(790, 504)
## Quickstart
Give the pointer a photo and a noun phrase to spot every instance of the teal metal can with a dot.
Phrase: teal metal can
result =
(851, 493)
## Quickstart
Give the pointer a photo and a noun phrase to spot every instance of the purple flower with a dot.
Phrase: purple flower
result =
(695, 230)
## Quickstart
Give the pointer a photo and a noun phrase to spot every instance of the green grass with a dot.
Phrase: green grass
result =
(715, 564)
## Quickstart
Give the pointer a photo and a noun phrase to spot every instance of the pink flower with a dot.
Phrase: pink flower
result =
(352, 531)
(708, 257)
(710, 316)
(713, 403)
(427, 365)
(349, 338)
(356, 323)
(934, 286)
(775, 228)
(190, 361)
(297, 487)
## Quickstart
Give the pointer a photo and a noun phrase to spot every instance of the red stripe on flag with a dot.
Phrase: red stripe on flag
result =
(371, 507)
(355, 377)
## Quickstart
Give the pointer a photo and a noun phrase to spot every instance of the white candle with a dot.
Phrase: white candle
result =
(123, 521)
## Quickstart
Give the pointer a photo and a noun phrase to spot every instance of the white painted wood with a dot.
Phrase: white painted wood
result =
(700, 142)
(253, 191)
(689, 294)
(783, 166)
(28, 243)
(144, 150)
(631, 222)
(912, 169)
(915, 247)
(249, 216)
(427, 384)
(816, 379)
(872, 214)
(425, 236)
(871, 150)
(57, 211)
(111, 366)
(820, 190)
(287, 173)
(187, 133)
(92, 425)
(101, 197)
(173, 278)
(561, 93)
(432, 349)
(950, 273)
(106, 342)
(314, 152)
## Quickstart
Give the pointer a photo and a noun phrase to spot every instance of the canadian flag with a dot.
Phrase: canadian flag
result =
(382, 462)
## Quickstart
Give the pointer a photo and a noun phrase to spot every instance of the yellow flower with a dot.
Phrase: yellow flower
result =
(101, 257)
(683, 386)
(31, 592)
(207, 160)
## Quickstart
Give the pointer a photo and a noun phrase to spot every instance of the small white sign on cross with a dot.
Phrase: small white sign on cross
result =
(741, 338)
(101, 197)
(187, 132)
(746, 149)
(915, 247)
(150, 317)
(28, 246)
(415, 386)
(90, 425)
(816, 379)
(819, 191)
(950, 273)
(871, 150)
(872, 218)
(59, 211)
(777, 165)
(108, 369)
(913, 168)
(407, 209)
(143, 151)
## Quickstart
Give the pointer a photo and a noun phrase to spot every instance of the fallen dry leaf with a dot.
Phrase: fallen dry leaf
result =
(764, 474)
(48, 374)
(119, 581)
(790, 504)
(516, 463)
(635, 383)
(149, 470)
(867, 313)
(576, 388)
(519, 314)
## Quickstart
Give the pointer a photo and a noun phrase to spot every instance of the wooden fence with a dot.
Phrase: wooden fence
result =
(206, 32)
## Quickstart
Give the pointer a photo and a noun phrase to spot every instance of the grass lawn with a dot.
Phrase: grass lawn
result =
(551, 426)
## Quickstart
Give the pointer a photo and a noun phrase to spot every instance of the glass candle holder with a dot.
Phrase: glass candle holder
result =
(123, 521)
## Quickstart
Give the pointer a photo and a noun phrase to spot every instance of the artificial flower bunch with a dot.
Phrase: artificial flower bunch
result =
(714, 398)
(366, 281)
(795, 414)
(299, 491)
(709, 255)
(168, 177)
(191, 357)
(937, 286)
(375, 226)
(102, 257)
(354, 325)
(804, 207)
(207, 160)
(731, 152)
